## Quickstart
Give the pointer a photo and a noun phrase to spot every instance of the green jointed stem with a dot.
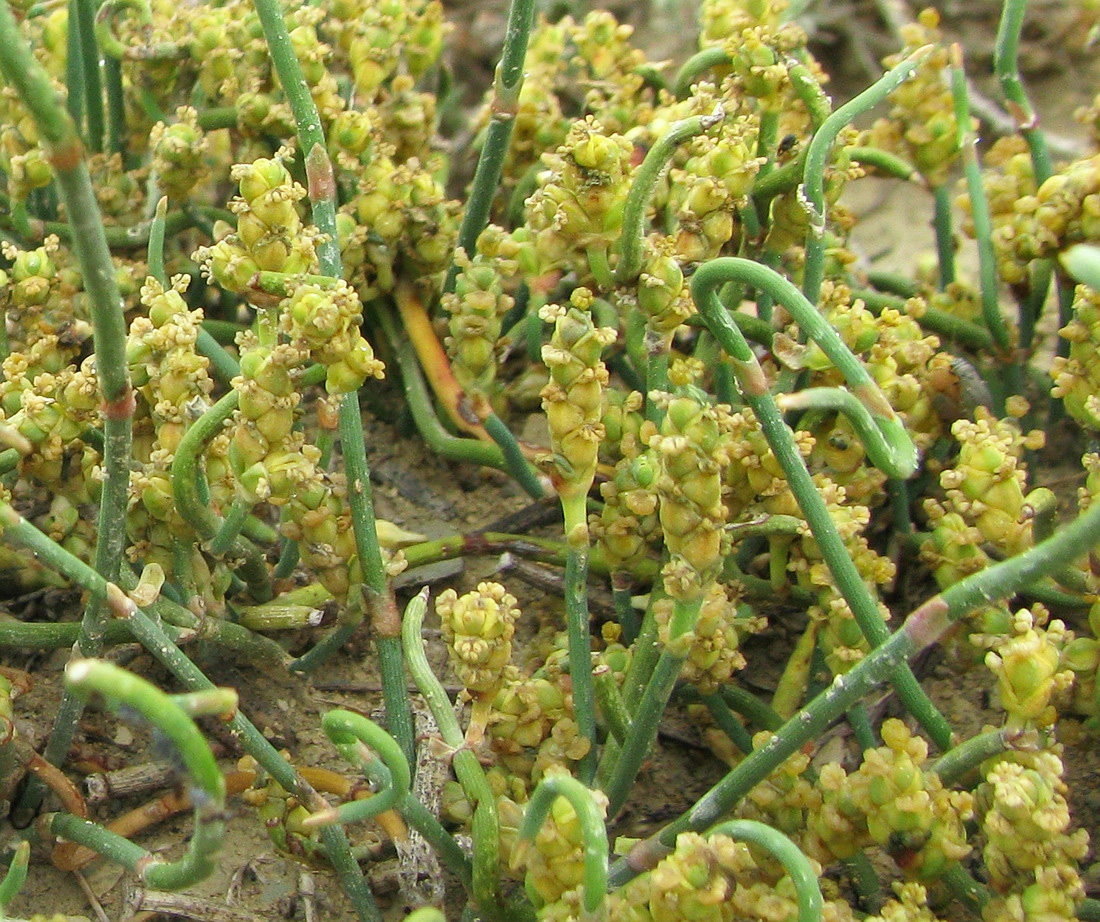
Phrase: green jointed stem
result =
(207, 784)
(322, 198)
(89, 59)
(522, 472)
(116, 107)
(593, 834)
(921, 629)
(156, 242)
(979, 211)
(74, 70)
(1006, 67)
(783, 850)
(953, 765)
(506, 90)
(945, 235)
(645, 182)
(578, 627)
(946, 325)
(817, 159)
(706, 283)
(647, 715)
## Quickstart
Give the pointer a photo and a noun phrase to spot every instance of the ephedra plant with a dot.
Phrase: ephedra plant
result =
(224, 223)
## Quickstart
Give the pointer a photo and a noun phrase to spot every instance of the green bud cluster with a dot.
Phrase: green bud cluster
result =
(172, 378)
(720, 19)
(1027, 665)
(759, 56)
(987, 481)
(713, 653)
(786, 797)
(697, 881)
(572, 401)
(402, 223)
(1077, 376)
(381, 39)
(270, 234)
(264, 451)
(627, 525)
(712, 184)
(477, 306)
(1026, 823)
(478, 629)
(1064, 210)
(893, 801)
(922, 126)
(323, 322)
(691, 450)
(531, 727)
(179, 150)
(911, 905)
(578, 205)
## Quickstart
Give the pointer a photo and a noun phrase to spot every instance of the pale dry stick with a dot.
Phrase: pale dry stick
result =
(89, 895)
(307, 893)
(185, 906)
(134, 779)
(419, 874)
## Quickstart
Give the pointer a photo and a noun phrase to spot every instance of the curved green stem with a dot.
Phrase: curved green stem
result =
(706, 283)
(807, 88)
(885, 162)
(696, 65)
(186, 475)
(593, 835)
(358, 739)
(645, 182)
(783, 850)
(817, 158)
(889, 447)
(121, 688)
